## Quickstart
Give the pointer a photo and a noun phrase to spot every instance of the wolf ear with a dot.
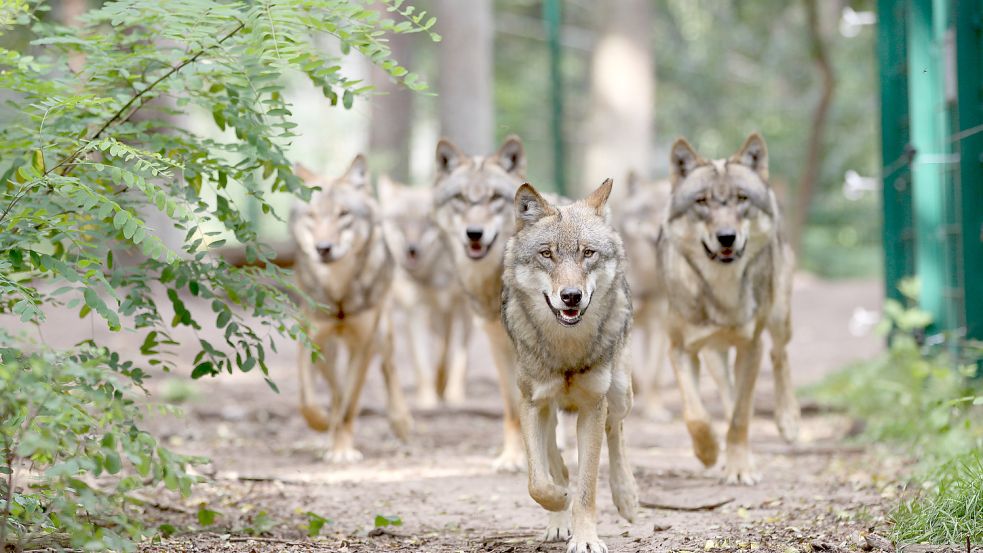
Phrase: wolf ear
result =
(598, 199)
(304, 173)
(449, 157)
(358, 172)
(512, 155)
(754, 155)
(683, 160)
(530, 206)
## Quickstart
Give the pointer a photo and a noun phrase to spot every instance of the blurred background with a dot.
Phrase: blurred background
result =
(846, 93)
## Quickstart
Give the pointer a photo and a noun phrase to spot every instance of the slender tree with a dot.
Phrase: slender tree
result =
(465, 75)
(622, 97)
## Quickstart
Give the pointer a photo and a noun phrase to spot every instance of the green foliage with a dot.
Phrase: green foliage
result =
(952, 510)
(70, 429)
(382, 521)
(929, 400)
(91, 149)
(315, 523)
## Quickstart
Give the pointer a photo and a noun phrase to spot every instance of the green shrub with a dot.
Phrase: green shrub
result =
(87, 152)
(929, 400)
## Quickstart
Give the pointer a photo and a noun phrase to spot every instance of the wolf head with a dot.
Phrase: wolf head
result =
(339, 218)
(411, 232)
(564, 256)
(471, 196)
(721, 209)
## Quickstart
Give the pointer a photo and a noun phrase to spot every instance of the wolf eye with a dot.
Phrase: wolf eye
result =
(702, 200)
(546, 254)
(343, 213)
(588, 253)
(742, 197)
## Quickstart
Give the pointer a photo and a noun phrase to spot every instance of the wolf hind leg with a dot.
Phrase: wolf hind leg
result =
(512, 458)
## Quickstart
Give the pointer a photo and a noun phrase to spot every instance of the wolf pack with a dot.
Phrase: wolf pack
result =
(694, 267)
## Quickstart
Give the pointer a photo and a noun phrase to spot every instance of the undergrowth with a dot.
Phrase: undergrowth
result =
(927, 400)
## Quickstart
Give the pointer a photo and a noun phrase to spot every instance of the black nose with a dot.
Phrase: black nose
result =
(474, 233)
(324, 248)
(571, 296)
(726, 237)
(411, 250)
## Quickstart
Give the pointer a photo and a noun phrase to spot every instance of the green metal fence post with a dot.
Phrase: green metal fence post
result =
(898, 226)
(552, 14)
(928, 137)
(969, 141)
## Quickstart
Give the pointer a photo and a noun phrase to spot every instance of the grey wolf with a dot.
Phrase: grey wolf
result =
(428, 292)
(472, 205)
(639, 217)
(567, 308)
(728, 272)
(343, 265)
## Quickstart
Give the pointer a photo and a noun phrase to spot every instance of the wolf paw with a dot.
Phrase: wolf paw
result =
(558, 527)
(510, 460)
(704, 442)
(787, 417)
(625, 495)
(343, 455)
(739, 470)
(426, 399)
(455, 397)
(588, 545)
(401, 425)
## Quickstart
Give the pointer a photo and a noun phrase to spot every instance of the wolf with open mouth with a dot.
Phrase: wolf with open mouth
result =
(727, 270)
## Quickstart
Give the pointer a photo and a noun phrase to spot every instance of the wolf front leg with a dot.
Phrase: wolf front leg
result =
(400, 419)
(512, 458)
(343, 447)
(590, 435)
(547, 482)
(420, 343)
(715, 359)
(787, 412)
(686, 365)
(314, 415)
(739, 467)
(624, 490)
(456, 356)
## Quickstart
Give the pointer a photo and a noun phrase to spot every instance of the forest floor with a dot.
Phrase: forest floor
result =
(266, 473)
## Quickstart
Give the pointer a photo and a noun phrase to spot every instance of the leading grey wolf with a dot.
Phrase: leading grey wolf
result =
(428, 292)
(728, 271)
(567, 308)
(471, 198)
(345, 269)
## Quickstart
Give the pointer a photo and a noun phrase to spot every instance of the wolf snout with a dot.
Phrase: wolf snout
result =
(324, 248)
(474, 234)
(727, 237)
(412, 251)
(571, 297)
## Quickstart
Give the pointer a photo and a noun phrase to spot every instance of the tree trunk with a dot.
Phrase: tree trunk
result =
(464, 83)
(391, 114)
(622, 96)
(817, 132)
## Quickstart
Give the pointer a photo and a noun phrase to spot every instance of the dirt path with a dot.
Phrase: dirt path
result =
(265, 460)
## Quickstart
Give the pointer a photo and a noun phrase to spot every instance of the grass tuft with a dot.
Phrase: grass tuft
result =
(952, 511)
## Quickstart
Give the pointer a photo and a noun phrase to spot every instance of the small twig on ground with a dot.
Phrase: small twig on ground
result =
(506, 536)
(688, 508)
(240, 539)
